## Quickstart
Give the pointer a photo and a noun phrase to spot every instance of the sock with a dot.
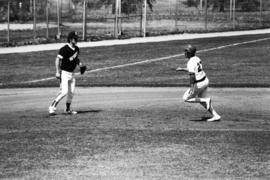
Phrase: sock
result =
(67, 106)
(214, 113)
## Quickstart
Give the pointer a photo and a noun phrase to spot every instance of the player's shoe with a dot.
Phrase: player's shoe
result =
(71, 112)
(214, 118)
(208, 103)
(52, 110)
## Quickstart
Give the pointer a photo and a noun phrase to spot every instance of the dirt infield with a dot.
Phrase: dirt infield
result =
(241, 108)
(134, 133)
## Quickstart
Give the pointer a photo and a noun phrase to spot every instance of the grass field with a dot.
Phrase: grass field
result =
(144, 132)
(243, 65)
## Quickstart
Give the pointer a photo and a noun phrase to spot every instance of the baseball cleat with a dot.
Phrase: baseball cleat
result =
(52, 110)
(71, 112)
(208, 103)
(214, 118)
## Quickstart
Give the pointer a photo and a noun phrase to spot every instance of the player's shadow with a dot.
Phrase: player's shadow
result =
(78, 112)
(200, 120)
(89, 111)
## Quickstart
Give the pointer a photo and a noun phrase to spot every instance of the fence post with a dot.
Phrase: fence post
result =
(30, 6)
(231, 1)
(35, 19)
(143, 19)
(176, 15)
(58, 20)
(84, 20)
(205, 14)
(201, 5)
(233, 14)
(47, 19)
(116, 19)
(119, 26)
(261, 12)
(170, 4)
(8, 25)
(60, 10)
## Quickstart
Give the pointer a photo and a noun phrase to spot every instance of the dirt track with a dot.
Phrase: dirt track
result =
(240, 108)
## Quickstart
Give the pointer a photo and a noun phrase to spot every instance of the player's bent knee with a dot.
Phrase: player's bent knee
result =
(186, 95)
(185, 98)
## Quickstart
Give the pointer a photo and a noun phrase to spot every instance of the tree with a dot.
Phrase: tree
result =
(131, 6)
(128, 6)
(249, 5)
(19, 10)
(151, 4)
(192, 3)
(220, 5)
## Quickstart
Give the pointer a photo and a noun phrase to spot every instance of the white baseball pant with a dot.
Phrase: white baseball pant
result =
(199, 91)
(67, 86)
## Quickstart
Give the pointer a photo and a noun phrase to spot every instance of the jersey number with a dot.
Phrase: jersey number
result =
(199, 67)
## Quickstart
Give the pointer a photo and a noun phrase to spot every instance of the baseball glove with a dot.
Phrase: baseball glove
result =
(83, 69)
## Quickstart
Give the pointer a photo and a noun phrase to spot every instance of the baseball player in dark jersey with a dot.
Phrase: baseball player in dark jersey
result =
(66, 62)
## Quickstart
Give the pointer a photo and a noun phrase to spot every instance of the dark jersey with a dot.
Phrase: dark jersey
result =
(69, 58)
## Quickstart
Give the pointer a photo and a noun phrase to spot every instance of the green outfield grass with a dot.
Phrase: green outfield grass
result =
(244, 65)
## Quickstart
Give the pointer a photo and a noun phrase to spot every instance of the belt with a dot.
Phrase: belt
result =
(200, 80)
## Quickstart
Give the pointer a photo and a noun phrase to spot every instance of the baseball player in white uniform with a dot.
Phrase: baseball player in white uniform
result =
(65, 63)
(197, 93)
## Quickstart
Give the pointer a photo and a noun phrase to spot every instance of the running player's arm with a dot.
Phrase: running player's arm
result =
(181, 69)
(78, 61)
(192, 81)
(191, 66)
(57, 66)
(80, 64)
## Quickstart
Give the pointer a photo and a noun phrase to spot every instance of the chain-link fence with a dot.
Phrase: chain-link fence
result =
(44, 21)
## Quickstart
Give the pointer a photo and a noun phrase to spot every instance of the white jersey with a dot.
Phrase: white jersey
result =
(194, 65)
